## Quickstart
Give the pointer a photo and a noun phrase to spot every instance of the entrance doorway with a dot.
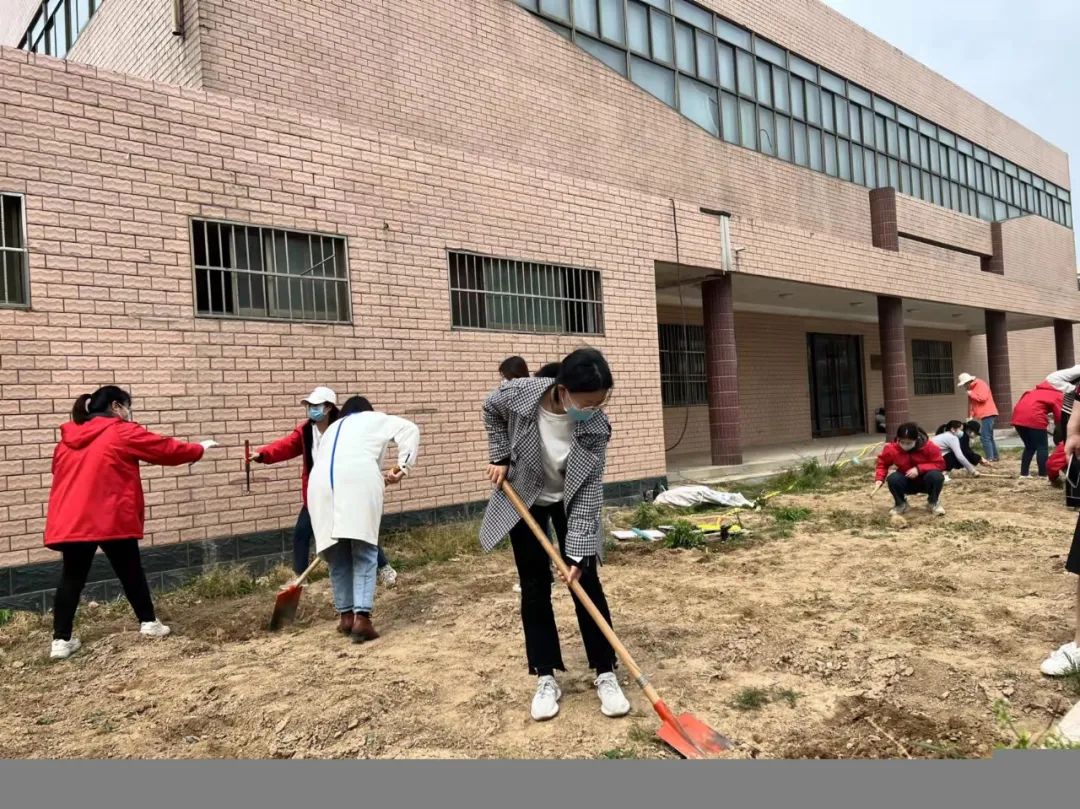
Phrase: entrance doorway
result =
(836, 384)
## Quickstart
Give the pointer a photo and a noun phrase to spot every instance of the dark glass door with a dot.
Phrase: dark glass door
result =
(836, 384)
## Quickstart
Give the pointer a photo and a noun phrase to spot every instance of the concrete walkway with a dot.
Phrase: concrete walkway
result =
(763, 462)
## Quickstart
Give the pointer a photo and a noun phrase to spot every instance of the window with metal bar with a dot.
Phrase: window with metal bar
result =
(14, 257)
(502, 294)
(682, 365)
(57, 24)
(932, 365)
(258, 273)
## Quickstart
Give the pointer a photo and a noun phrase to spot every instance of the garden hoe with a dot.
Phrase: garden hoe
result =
(688, 736)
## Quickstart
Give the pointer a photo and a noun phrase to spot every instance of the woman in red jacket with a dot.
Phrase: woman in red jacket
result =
(920, 467)
(97, 500)
(1031, 417)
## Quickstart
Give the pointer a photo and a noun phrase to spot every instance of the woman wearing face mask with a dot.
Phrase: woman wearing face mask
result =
(948, 440)
(920, 468)
(96, 500)
(549, 438)
(305, 440)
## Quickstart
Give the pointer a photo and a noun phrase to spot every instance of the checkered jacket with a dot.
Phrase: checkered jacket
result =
(513, 433)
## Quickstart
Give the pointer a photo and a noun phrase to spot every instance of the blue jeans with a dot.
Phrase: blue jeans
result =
(353, 568)
(301, 544)
(986, 436)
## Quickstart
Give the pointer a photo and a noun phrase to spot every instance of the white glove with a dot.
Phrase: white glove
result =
(209, 443)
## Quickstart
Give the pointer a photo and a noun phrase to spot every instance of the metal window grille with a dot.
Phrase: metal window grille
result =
(14, 256)
(932, 364)
(256, 273)
(57, 24)
(682, 365)
(503, 294)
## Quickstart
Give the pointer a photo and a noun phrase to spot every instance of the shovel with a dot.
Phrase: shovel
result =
(288, 600)
(687, 735)
(247, 464)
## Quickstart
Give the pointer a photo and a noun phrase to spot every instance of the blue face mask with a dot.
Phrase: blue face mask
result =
(576, 413)
(316, 413)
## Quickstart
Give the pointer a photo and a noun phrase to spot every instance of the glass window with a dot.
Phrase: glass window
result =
(913, 148)
(903, 138)
(697, 102)
(886, 108)
(726, 56)
(685, 48)
(932, 367)
(997, 162)
(986, 208)
(615, 58)
(611, 20)
(816, 158)
(706, 56)
(894, 173)
(14, 257)
(637, 26)
(869, 168)
(1010, 169)
(798, 100)
(800, 67)
(830, 155)
(802, 156)
(854, 118)
(559, 9)
(946, 137)
(842, 116)
(954, 164)
(660, 26)
(905, 178)
(729, 117)
(659, 81)
(783, 137)
(746, 73)
(732, 33)
(747, 124)
(586, 17)
(813, 104)
(1000, 211)
(858, 95)
(857, 164)
(868, 128)
(969, 171)
(935, 157)
(774, 54)
(768, 135)
(956, 199)
(982, 155)
(916, 184)
(935, 185)
(882, 170)
(764, 83)
(661, 4)
(906, 118)
(927, 128)
(879, 132)
(1025, 176)
(831, 82)
(693, 14)
(780, 90)
(843, 159)
(827, 121)
(892, 135)
(964, 146)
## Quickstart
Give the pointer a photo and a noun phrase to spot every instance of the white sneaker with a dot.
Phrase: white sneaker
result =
(63, 649)
(545, 703)
(948, 479)
(154, 629)
(612, 700)
(387, 575)
(1063, 660)
(896, 511)
(936, 509)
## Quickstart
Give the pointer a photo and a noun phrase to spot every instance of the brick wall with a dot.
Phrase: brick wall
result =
(1054, 270)
(15, 16)
(135, 37)
(916, 217)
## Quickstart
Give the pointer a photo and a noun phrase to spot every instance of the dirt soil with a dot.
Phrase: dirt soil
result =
(863, 639)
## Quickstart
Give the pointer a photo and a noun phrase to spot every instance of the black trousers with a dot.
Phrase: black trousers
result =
(537, 617)
(928, 483)
(1035, 446)
(123, 555)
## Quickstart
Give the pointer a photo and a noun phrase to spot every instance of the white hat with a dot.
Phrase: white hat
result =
(320, 396)
(964, 379)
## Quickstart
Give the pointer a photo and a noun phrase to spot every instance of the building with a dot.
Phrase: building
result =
(770, 220)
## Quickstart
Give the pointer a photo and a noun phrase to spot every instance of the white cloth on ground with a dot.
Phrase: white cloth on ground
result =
(689, 496)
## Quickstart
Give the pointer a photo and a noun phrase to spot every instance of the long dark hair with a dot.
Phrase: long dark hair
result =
(98, 403)
(585, 371)
(549, 371)
(514, 368)
(355, 404)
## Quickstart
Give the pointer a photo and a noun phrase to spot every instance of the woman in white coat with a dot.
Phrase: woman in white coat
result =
(345, 500)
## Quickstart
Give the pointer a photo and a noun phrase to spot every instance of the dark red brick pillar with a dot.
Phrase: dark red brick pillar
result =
(721, 370)
(997, 358)
(883, 224)
(893, 361)
(1063, 344)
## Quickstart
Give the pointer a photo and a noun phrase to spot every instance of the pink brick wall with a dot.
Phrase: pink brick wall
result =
(916, 217)
(1054, 270)
(15, 16)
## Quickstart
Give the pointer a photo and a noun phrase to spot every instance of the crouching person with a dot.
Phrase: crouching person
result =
(1055, 465)
(919, 469)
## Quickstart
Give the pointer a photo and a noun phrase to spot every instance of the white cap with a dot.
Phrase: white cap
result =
(964, 379)
(320, 396)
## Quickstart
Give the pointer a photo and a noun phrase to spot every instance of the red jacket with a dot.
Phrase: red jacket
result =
(1036, 405)
(96, 490)
(1056, 463)
(295, 444)
(926, 457)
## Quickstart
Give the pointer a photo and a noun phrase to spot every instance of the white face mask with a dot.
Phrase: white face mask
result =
(907, 446)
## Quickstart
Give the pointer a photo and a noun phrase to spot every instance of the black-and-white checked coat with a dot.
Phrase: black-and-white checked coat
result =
(510, 415)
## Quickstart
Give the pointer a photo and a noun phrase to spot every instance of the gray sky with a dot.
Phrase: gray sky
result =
(1021, 57)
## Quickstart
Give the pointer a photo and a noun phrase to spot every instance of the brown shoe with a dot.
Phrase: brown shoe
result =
(345, 623)
(362, 630)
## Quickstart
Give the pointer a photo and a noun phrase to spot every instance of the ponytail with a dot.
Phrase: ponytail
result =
(98, 403)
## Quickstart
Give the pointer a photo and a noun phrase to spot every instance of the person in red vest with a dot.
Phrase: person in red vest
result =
(304, 441)
(1056, 464)
(1031, 417)
(96, 500)
(919, 468)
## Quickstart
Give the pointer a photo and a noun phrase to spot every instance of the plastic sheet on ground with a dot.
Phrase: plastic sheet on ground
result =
(690, 496)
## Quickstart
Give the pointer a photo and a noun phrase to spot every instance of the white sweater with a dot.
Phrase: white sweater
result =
(947, 442)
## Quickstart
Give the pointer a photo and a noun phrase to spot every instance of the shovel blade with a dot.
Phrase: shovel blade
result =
(285, 606)
(692, 738)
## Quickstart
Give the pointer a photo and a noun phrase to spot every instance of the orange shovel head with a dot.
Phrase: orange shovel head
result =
(692, 738)
(285, 606)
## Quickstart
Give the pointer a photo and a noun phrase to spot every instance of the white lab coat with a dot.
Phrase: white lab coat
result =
(345, 487)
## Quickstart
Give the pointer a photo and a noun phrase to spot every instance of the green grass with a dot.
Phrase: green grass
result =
(754, 699)
(684, 534)
(790, 514)
(618, 753)
(1024, 740)
(646, 516)
(6, 616)
(428, 544)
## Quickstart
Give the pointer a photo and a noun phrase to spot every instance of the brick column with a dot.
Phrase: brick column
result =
(883, 227)
(721, 370)
(893, 362)
(1063, 344)
(997, 357)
